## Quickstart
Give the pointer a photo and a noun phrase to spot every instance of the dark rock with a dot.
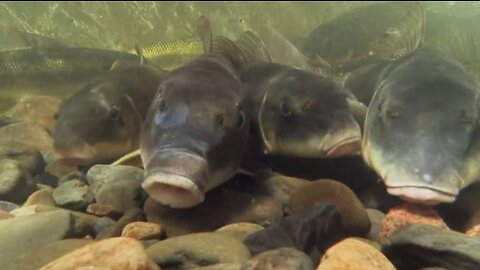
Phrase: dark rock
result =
(221, 207)
(376, 218)
(29, 157)
(199, 249)
(354, 215)
(103, 211)
(74, 195)
(117, 185)
(419, 245)
(278, 186)
(16, 183)
(46, 179)
(311, 231)
(115, 229)
(377, 197)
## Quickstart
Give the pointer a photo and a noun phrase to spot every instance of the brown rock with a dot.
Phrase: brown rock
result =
(115, 253)
(474, 231)
(354, 254)
(221, 207)
(36, 109)
(5, 215)
(376, 218)
(354, 216)
(277, 185)
(240, 230)
(407, 214)
(143, 231)
(42, 197)
(103, 210)
(33, 135)
(115, 229)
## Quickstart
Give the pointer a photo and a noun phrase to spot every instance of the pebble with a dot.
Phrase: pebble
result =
(22, 233)
(103, 211)
(36, 109)
(311, 231)
(421, 245)
(354, 216)
(354, 254)
(406, 214)
(61, 171)
(199, 249)
(143, 231)
(376, 218)
(31, 134)
(74, 195)
(43, 197)
(116, 228)
(240, 230)
(221, 207)
(34, 258)
(16, 183)
(278, 186)
(29, 157)
(120, 253)
(117, 185)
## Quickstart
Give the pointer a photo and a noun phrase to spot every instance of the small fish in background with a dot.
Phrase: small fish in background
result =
(367, 34)
(102, 121)
(421, 129)
(196, 129)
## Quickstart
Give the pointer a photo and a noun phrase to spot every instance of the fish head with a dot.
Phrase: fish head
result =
(192, 141)
(422, 139)
(305, 115)
(98, 123)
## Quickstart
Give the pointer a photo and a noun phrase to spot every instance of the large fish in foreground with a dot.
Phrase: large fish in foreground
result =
(196, 129)
(421, 132)
(102, 121)
(297, 113)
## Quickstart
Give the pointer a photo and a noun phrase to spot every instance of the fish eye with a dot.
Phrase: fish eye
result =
(392, 113)
(285, 109)
(116, 116)
(219, 120)
(56, 116)
(162, 106)
(241, 120)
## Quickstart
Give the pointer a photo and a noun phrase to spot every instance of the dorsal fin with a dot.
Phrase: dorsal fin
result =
(205, 33)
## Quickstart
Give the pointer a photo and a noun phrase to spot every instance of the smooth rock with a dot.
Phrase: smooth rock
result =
(278, 186)
(29, 157)
(74, 195)
(42, 197)
(8, 206)
(36, 109)
(16, 183)
(119, 253)
(421, 245)
(22, 233)
(143, 231)
(282, 258)
(33, 135)
(116, 229)
(46, 179)
(31, 210)
(354, 216)
(376, 218)
(240, 230)
(199, 249)
(474, 231)
(407, 214)
(5, 215)
(221, 207)
(103, 210)
(117, 185)
(33, 259)
(311, 231)
(354, 254)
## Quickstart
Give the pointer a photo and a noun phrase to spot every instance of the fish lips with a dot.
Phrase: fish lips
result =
(84, 155)
(176, 178)
(422, 195)
(349, 146)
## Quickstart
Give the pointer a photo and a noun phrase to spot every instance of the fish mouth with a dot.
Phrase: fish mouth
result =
(84, 155)
(176, 177)
(174, 190)
(422, 195)
(349, 146)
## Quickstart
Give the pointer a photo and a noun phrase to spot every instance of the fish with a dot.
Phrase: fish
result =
(54, 71)
(173, 53)
(102, 121)
(383, 31)
(297, 113)
(421, 129)
(13, 38)
(196, 129)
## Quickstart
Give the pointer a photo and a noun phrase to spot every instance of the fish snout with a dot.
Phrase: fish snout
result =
(176, 178)
(349, 146)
